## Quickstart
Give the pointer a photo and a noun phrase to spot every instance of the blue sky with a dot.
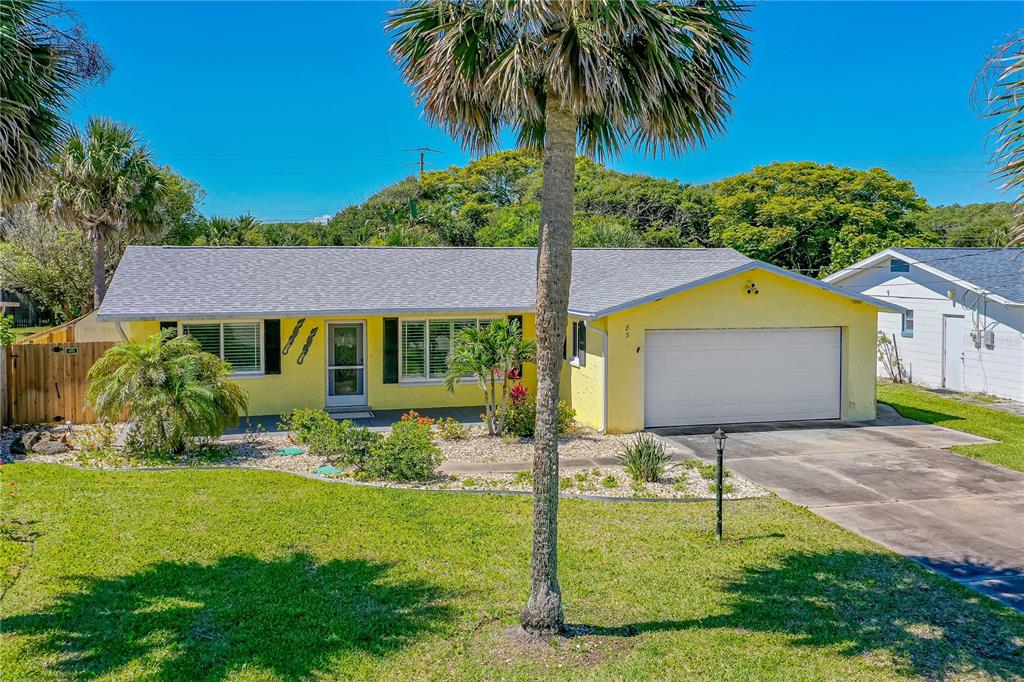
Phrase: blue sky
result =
(294, 110)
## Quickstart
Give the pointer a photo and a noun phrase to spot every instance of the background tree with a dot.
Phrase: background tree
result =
(106, 183)
(654, 75)
(52, 262)
(45, 58)
(171, 390)
(1000, 85)
(985, 224)
(816, 218)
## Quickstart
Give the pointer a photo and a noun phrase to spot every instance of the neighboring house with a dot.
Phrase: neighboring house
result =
(963, 328)
(656, 336)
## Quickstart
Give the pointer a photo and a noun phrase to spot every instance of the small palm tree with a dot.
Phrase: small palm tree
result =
(41, 69)
(1000, 87)
(104, 183)
(489, 353)
(171, 390)
(650, 74)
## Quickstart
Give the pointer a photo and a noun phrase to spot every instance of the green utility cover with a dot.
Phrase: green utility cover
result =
(290, 451)
(327, 470)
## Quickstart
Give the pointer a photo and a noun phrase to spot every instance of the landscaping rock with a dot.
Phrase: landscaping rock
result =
(50, 446)
(29, 439)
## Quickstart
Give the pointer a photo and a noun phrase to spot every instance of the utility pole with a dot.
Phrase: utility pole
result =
(423, 163)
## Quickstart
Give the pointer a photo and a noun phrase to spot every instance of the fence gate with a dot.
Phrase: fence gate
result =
(47, 382)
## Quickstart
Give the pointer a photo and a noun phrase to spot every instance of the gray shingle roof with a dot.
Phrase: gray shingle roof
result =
(1000, 271)
(166, 282)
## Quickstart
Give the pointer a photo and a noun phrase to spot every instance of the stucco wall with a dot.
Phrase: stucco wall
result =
(305, 385)
(782, 302)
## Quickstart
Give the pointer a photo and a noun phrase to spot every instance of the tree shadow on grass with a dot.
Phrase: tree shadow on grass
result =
(868, 604)
(921, 414)
(292, 617)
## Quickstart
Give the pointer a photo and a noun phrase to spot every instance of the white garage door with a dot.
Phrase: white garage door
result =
(730, 376)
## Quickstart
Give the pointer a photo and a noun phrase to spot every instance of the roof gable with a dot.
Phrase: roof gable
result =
(997, 271)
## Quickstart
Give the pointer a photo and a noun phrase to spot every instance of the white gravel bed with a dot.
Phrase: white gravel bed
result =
(681, 480)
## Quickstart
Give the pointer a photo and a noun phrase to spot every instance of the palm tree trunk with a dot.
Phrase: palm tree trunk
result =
(543, 613)
(99, 265)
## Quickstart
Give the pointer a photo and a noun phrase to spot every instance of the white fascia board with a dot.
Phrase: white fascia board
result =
(930, 269)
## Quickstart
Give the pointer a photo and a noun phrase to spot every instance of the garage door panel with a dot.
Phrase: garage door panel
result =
(741, 375)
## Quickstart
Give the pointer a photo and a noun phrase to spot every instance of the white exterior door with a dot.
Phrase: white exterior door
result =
(346, 364)
(953, 352)
(730, 376)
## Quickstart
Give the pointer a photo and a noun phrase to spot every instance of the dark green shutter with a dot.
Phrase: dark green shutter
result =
(168, 324)
(519, 319)
(271, 346)
(390, 350)
(581, 343)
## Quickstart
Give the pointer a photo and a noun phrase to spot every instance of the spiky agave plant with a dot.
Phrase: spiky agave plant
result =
(171, 390)
(999, 91)
(650, 74)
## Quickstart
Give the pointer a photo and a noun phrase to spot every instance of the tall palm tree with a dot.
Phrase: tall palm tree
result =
(46, 59)
(104, 183)
(999, 87)
(651, 74)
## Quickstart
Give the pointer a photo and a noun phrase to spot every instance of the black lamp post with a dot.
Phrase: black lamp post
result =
(719, 437)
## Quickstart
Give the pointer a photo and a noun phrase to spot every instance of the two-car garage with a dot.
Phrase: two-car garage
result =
(729, 376)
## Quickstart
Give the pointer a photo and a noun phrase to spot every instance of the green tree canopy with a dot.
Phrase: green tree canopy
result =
(816, 218)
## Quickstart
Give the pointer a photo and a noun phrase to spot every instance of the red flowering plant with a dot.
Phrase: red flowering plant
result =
(414, 416)
(517, 396)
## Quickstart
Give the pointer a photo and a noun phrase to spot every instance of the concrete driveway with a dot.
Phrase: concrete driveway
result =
(892, 481)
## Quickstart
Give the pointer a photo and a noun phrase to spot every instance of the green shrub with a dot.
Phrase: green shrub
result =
(644, 459)
(521, 417)
(408, 453)
(452, 429)
(341, 443)
(172, 391)
(523, 478)
(727, 488)
(306, 421)
(710, 471)
(610, 481)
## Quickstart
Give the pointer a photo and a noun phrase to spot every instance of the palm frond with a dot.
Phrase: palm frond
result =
(999, 92)
(649, 74)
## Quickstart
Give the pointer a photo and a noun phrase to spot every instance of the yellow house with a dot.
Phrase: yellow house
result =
(656, 337)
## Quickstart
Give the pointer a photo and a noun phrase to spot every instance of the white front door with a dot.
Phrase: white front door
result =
(729, 376)
(953, 352)
(346, 368)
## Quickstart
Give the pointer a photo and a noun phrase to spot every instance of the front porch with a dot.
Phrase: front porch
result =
(380, 421)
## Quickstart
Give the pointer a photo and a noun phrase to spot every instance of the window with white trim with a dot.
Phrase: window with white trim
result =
(897, 265)
(578, 347)
(907, 325)
(239, 343)
(425, 344)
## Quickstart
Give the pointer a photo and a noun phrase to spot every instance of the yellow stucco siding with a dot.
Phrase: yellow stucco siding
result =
(782, 302)
(305, 385)
(583, 385)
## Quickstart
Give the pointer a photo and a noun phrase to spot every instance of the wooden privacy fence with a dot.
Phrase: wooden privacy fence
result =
(46, 382)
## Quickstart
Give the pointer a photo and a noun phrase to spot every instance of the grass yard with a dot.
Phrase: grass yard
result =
(1008, 429)
(253, 575)
(22, 332)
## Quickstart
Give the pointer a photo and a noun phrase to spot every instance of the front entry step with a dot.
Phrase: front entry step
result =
(351, 412)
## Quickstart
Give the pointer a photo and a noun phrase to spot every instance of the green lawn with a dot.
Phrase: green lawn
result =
(22, 332)
(256, 575)
(1008, 429)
